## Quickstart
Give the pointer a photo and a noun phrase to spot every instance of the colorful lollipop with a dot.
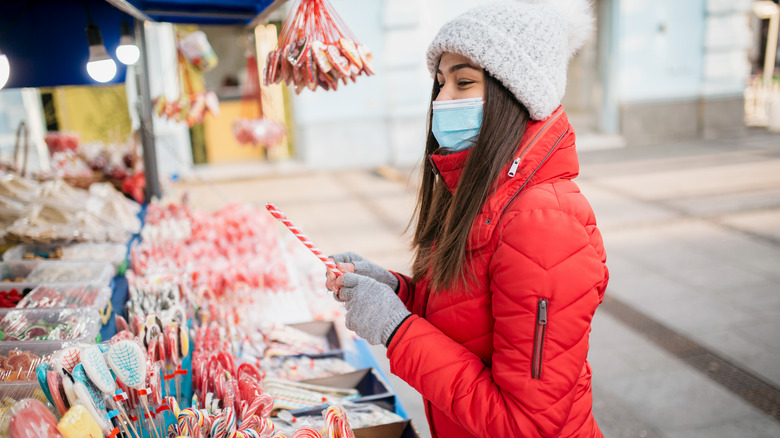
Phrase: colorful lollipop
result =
(127, 360)
(42, 372)
(94, 366)
(91, 398)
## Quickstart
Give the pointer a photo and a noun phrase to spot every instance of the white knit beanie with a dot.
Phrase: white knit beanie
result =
(525, 44)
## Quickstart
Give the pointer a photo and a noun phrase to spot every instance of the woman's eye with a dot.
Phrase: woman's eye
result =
(465, 83)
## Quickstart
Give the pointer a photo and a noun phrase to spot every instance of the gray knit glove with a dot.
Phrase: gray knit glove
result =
(368, 269)
(374, 311)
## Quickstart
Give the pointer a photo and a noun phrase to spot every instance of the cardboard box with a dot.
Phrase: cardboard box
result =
(402, 429)
(321, 328)
(371, 387)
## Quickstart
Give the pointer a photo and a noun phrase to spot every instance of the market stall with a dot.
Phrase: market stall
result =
(154, 319)
(213, 313)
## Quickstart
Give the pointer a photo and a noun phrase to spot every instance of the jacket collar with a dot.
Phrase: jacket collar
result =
(450, 167)
(549, 141)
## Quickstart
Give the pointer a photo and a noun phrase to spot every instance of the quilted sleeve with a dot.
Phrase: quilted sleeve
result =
(405, 289)
(542, 254)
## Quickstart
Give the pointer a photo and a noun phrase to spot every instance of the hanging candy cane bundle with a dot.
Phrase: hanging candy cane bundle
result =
(316, 49)
(253, 127)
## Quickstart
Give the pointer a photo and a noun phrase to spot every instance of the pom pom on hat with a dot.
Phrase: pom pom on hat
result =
(524, 44)
(579, 18)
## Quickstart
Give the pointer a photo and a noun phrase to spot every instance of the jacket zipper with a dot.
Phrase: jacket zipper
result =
(437, 173)
(516, 163)
(534, 172)
(541, 329)
(513, 169)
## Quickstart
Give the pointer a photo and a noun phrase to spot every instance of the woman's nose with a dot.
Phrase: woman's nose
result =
(444, 94)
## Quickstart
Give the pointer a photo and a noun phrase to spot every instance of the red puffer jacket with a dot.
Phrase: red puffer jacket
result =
(507, 357)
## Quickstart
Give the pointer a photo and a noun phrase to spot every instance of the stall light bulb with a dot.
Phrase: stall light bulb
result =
(102, 70)
(100, 66)
(5, 70)
(127, 53)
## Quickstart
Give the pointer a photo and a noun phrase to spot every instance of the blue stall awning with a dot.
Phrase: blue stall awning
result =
(46, 43)
(201, 11)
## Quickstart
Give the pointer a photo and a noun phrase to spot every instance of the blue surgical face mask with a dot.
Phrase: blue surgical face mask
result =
(456, 123)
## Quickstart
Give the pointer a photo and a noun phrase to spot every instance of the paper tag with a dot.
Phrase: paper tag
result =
(144, 391)
(111, 414)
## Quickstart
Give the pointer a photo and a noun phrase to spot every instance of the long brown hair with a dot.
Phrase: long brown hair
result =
(443, 221)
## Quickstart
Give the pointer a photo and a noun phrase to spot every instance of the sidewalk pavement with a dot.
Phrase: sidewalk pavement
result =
(687, 341)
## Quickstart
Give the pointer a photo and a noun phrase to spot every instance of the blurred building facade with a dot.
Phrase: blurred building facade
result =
(656, 70)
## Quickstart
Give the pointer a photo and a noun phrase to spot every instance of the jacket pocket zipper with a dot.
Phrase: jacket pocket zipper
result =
(541, 329)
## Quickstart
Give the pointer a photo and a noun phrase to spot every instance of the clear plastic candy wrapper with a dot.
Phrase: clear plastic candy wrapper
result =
(56, 212)
(66, 296)
(48, 324)
(18, 362)
(14, 392)
(64, 272)
(258, 132)
(316, 49)
(112, 252)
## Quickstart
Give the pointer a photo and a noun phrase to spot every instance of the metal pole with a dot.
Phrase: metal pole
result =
(771, 47)
(152, 189)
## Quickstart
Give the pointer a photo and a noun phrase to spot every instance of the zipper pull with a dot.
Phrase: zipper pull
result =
(542, 311)
(513, 169)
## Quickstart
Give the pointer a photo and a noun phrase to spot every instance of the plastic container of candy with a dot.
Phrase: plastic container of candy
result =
(48, 326)
(18, 360)
(113, 253)
(18, 278)
(12, 392)
(36, 272)
(66, 295)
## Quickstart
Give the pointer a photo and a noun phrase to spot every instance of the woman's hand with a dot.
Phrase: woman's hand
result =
(374, 311)
(332, 282)
(351, 262)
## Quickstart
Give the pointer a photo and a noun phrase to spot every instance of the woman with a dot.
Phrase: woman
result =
(492, 326)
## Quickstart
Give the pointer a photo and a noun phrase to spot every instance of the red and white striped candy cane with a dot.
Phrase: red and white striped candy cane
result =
(275, 212)
(336, 423)
(306, 432)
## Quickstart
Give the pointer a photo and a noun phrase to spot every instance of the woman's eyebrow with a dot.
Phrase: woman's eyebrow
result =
(458, 67)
